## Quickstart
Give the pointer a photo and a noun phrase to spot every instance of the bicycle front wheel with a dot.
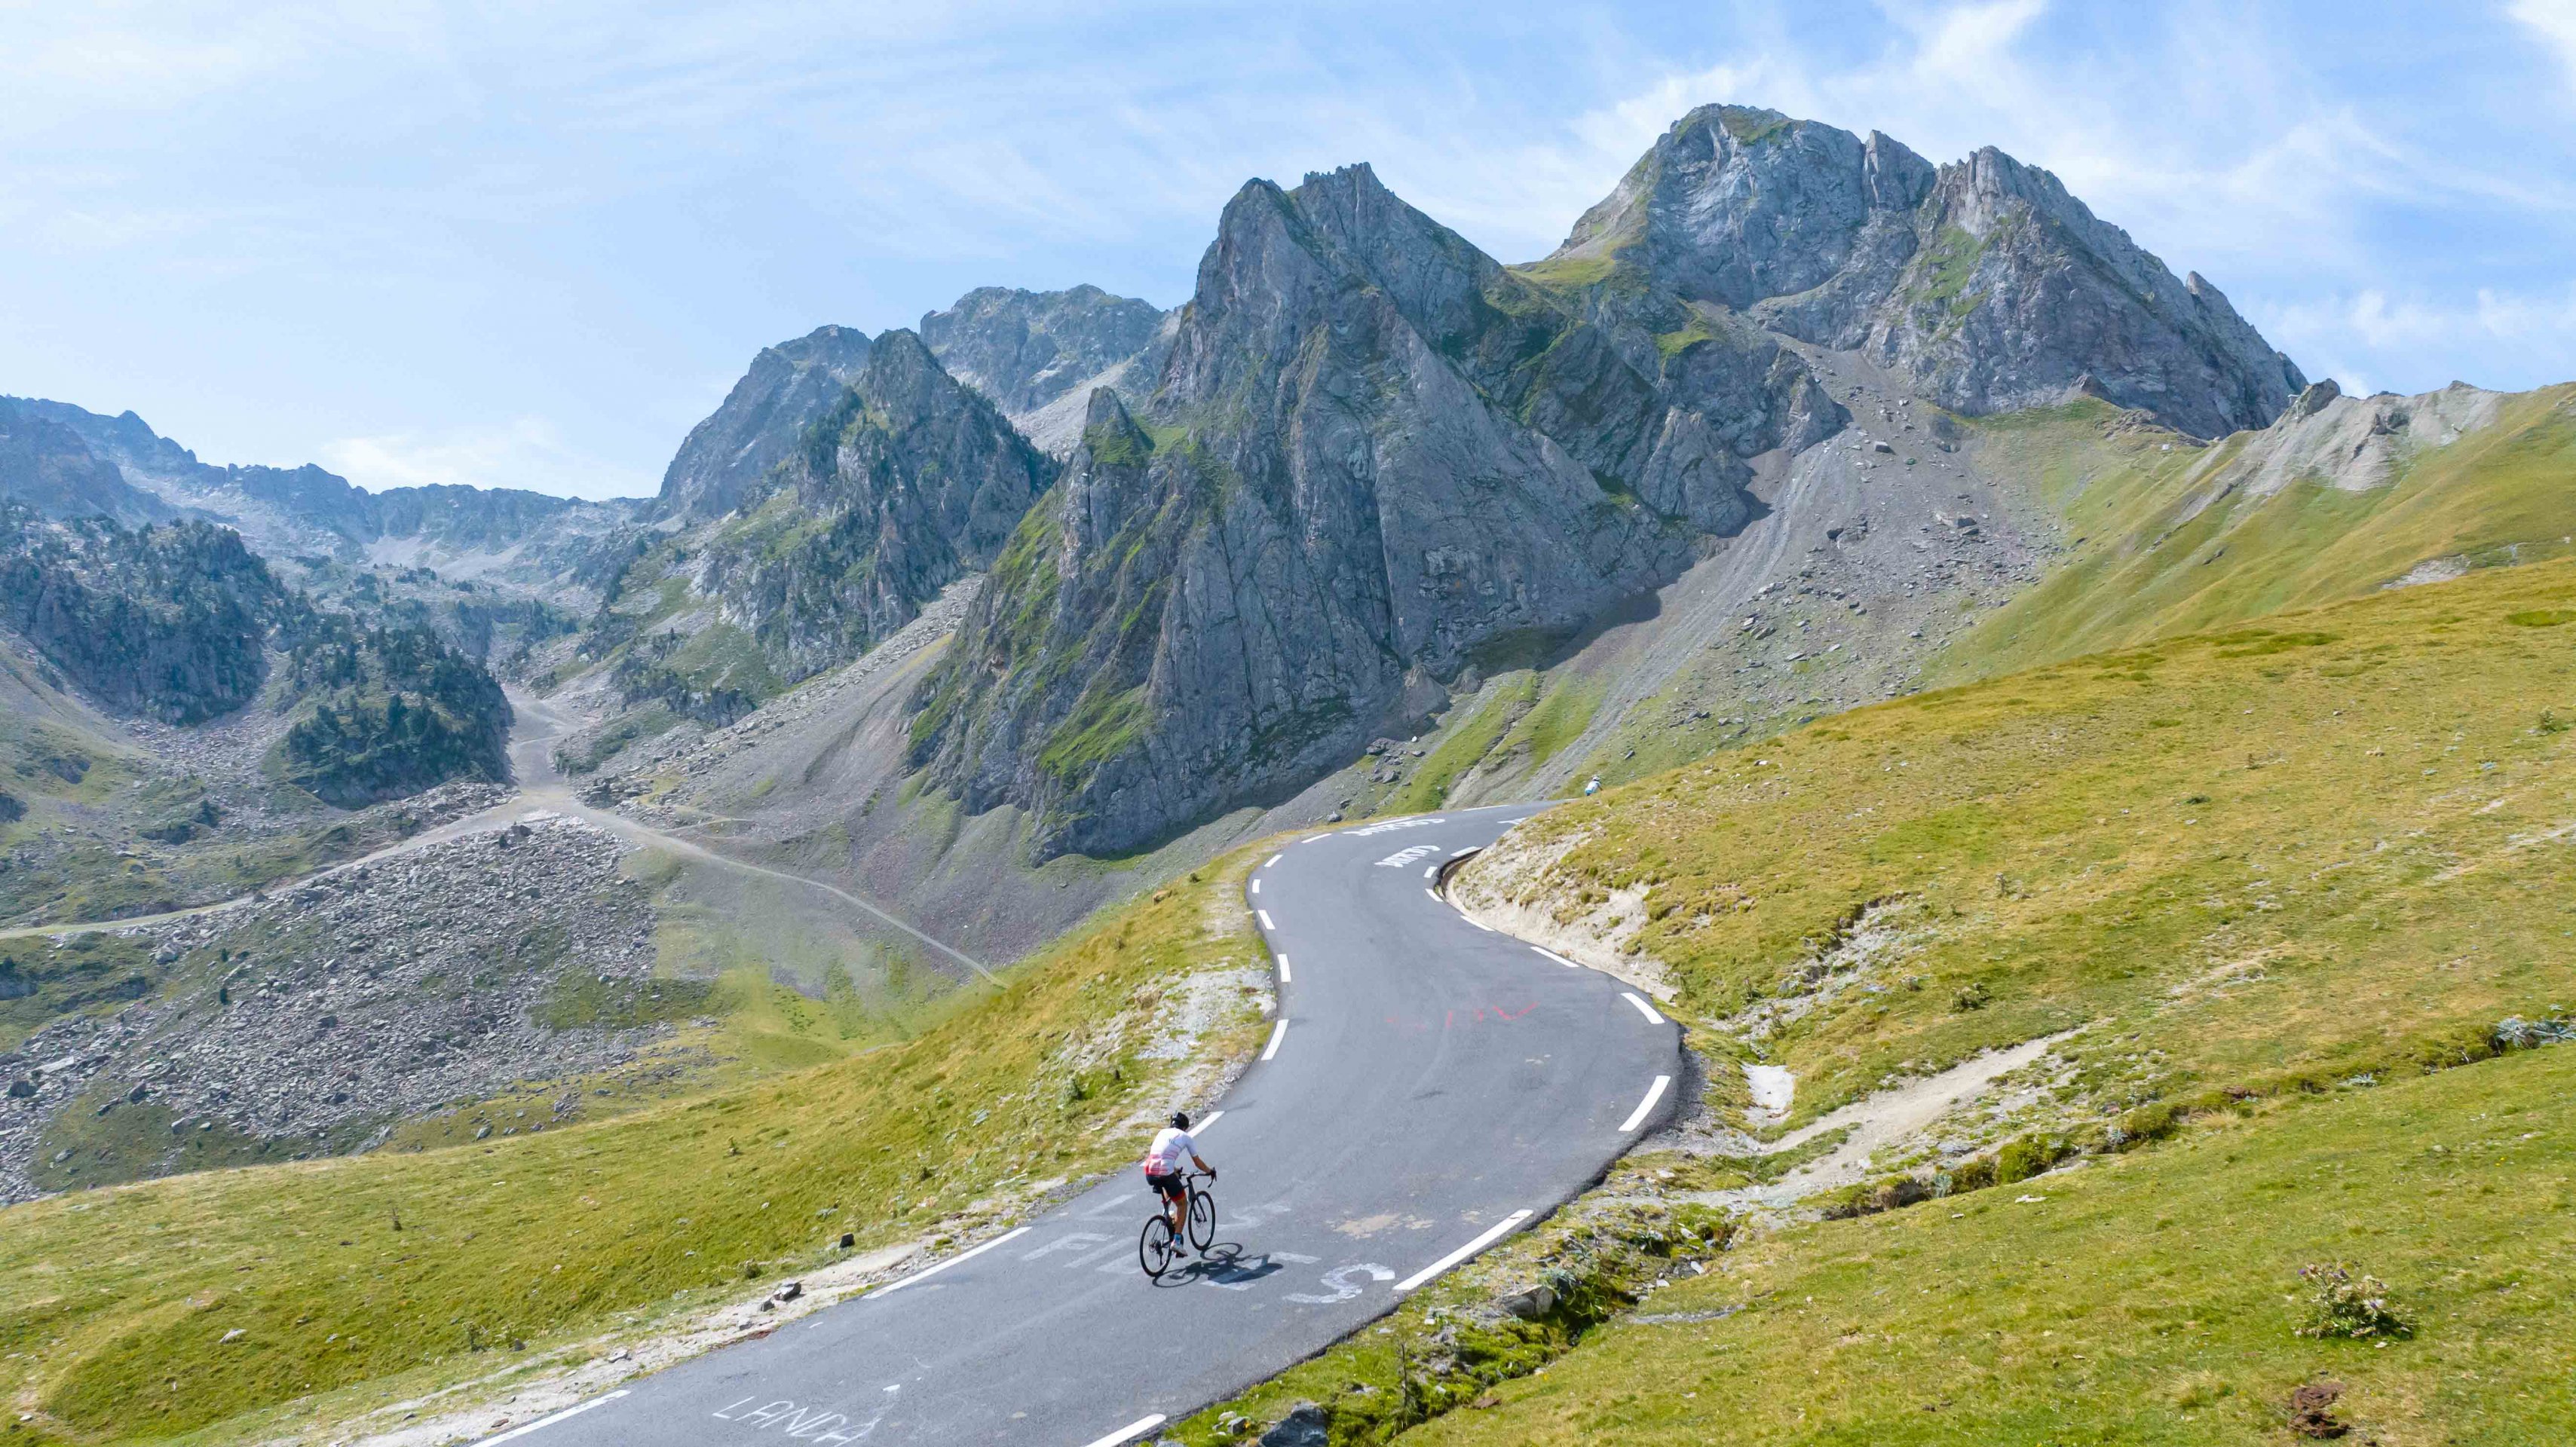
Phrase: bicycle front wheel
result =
(1202, 1219)
(1154, 1247)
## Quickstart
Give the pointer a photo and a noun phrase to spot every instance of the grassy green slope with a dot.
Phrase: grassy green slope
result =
(2139, 1301)
(2306, 864)
(2148, 564)
(356, 1280)
(2297, 861)
(2314, 848)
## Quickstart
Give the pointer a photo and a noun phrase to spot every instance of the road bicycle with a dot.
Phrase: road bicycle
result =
(1156, 1246)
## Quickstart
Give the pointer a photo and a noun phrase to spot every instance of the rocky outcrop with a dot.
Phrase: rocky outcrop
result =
(310, 1022)
(1984, 283)
(908, 482)
(281, 511)
(180, 624)
(763, 419)
(47, 466)
(172, 622)
(1376, 459)
(1027, 349)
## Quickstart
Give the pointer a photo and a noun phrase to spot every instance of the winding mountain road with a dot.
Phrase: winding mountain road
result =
(1430, 1087)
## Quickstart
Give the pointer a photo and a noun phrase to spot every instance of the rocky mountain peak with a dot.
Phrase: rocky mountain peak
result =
(788, 386)
(1028, 350)
(1985, 282)
(906, 481)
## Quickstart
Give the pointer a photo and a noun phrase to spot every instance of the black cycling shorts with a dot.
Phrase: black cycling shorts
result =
(1172, 1186)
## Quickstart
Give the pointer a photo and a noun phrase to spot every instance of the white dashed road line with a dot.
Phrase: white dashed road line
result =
(1633, 998)
(1311, 838)
(1256, 886)
(1491, 1235)
(1271, 861)
(600, 1401)
(1283, 969)
(1431, 871)
(1278, 1033)
(1130, 1432)
(1265, 919)
(1560, 959)
(1013, 1234)
(1654, 1093)
(1207, 1120)
(1435, 894)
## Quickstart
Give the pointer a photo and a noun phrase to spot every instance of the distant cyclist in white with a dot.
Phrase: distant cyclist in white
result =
(1172, 1145)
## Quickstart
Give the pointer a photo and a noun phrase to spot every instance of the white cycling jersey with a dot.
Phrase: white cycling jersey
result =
(1171, 1150)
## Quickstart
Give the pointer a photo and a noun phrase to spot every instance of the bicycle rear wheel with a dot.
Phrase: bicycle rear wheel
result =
(1154, 1247)
(1202, 1219)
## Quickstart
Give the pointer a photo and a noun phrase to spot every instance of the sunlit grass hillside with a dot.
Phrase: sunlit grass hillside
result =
(250, 1303)
(2173, 536)
(2151, 1299)
(2290, 876)
(2333, 843)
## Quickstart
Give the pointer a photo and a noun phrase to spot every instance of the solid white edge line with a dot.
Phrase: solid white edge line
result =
(1209, 1119)
(1560, 959)
(1491, 1235)
(1013, 1234)
(1278, 1033)
(1633, 998)
(1272, 860)
(1265, 919)
(572, 1411)
(1283, 969)
(1654, 1093)
(1130, 1432)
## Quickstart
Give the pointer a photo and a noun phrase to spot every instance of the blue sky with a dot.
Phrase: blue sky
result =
(434, 242)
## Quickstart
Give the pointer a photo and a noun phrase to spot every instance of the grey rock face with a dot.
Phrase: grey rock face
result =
(1345, 491)
(1983, 282)
(47, 466)
(1025, 349)
(286, 510)
(313, 1020)
(908, 482)
(730, 454)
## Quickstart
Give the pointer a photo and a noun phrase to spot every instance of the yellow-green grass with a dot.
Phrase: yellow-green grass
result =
(2150, 565)
(1564, 711)
(1466, 743)
(357, 1280)
(2340, 842)
(2141, 1300)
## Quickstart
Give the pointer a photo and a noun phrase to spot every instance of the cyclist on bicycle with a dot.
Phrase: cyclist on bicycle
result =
(1172, 1145)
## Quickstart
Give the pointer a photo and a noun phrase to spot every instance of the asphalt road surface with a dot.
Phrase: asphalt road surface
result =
(1430, 1088)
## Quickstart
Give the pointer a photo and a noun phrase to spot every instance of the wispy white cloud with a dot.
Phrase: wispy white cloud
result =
(2555, 22)
(2490, 338)
(527, 452)
(249, 218)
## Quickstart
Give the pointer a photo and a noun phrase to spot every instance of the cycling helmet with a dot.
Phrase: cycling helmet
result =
(1180, 1120)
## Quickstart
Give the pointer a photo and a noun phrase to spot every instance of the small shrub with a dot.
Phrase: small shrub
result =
(2343, 1306)
(2515, 1033)
(2026, 1156)
(1972, 996)
(1974, 1174)
(2146, 1123)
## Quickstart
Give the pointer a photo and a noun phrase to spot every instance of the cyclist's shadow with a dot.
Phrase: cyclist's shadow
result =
(1223, 1263)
